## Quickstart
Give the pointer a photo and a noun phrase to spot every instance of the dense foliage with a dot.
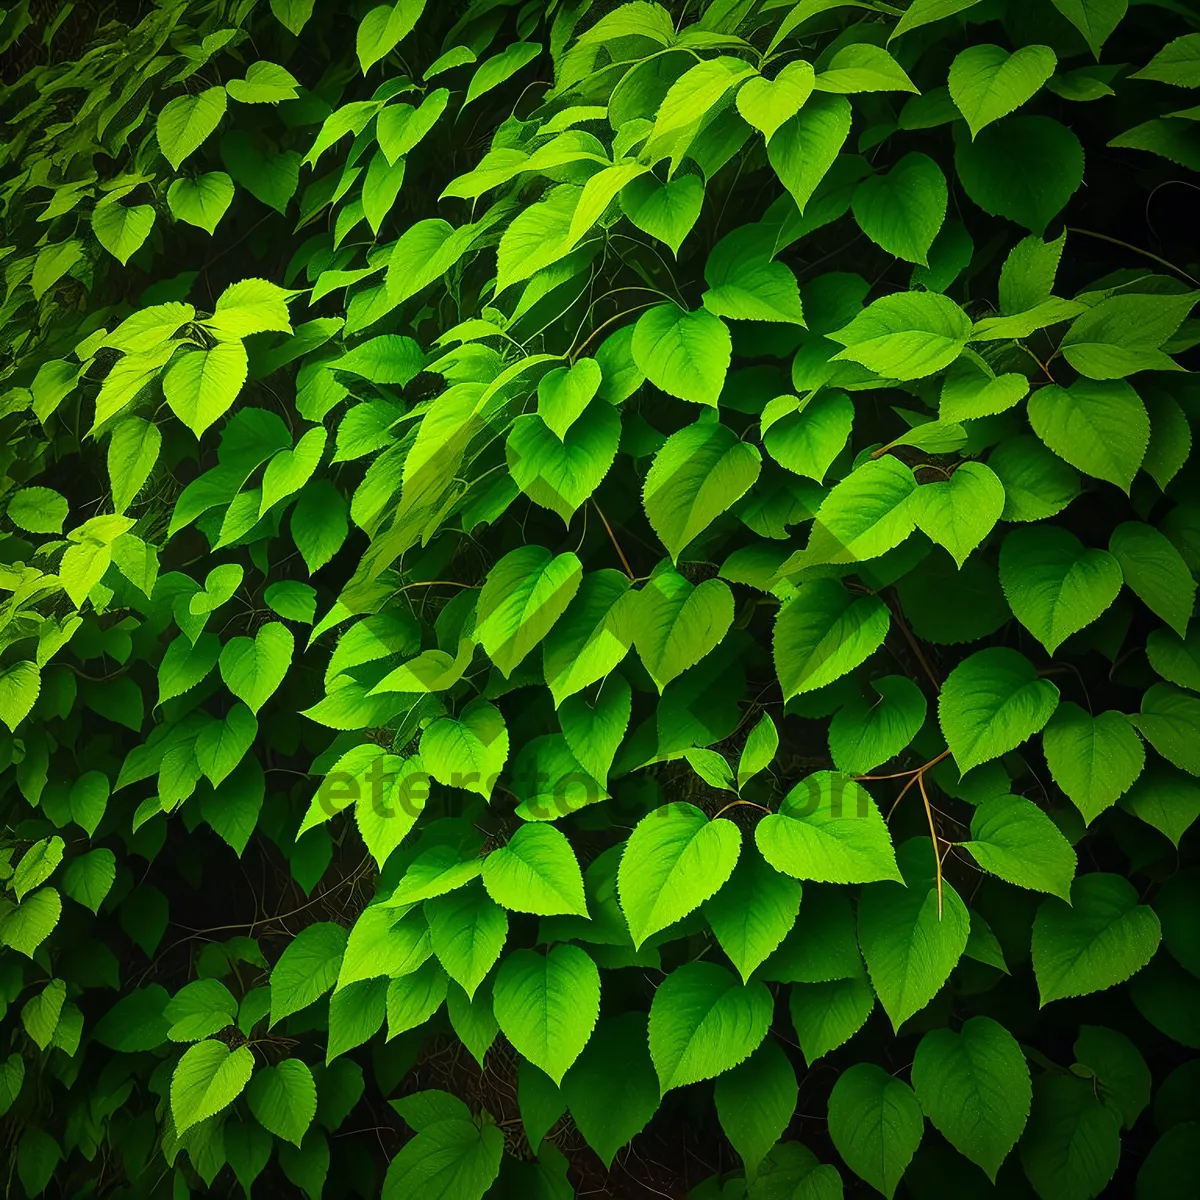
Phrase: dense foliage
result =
(596, 598)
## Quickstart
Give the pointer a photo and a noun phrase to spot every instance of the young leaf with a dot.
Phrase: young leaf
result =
(827, 1015)
(283, 1099)
(677, 624)
(960, 512)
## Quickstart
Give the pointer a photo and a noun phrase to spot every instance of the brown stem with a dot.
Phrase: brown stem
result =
(613, 538)
(937, 857)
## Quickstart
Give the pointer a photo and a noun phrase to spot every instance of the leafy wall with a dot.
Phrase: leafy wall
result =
(596, 598)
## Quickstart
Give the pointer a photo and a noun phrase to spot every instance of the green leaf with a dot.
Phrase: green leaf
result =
(828, 829)
(133, 450)
(253, 668)
(1170, 721)
(703, 1022)
(911, 939)
(612, 1089)
(666, 211)
(122, 230)
(824, 632)
(755, 1103)
(451, 1156)
(40, 1014)
(807, 435)
(37, 1158)
(1054, 586)
(318, 523)
(1101, 429)
(924, 12)
(767, 103)
(752, 912)
(1178, 63)
(265, 83)
(547, 1005)
(383, 28)
(685, 354)
(20, 684)
(744, 284)
(1012, 838)
(592, 636)
(804, 147)
(901, 211)
(759, 750)
(293, 14)
(1156, 572)
(468, 751)
(250, 306)
(202, 385)
(283, 1099)
(677, 624)
(223, 743)
(1073, 1143)
(184, 123)
(186, 664)
(1095, 19)
(561, 473)
(525, 594)
(876, 1124)
(826, 1015)
(1095, 760)
(401, 128)
(89, 878)
(594, 732)
(1124, 1077)
(868, 732)
(960, 512)
(307, 969)
(1027, 277)
(1122, 335)
(292, 600)
(987, 83)
(1098, 940)
(565, 392)
(863, 67)
(1022, 168)
(495, 70)
(698, 474)
(467, 930)
(208, 1078)
(200, 1009)
(674, 860)
(991, 703)
(1167, 799)
(535, 871)
(974, 1087)
(908, 335)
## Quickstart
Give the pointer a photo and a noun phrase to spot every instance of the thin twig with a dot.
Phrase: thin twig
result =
(613, 538)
